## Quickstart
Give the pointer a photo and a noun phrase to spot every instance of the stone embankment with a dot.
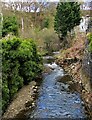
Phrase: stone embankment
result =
(78, 64)
(87, 80)
(82, 82)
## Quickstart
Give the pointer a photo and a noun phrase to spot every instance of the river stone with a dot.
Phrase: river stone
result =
(74, 86)
(65, 78)
(29, 103)
(47, 70)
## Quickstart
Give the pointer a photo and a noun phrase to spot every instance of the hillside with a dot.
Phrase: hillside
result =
(41, 31)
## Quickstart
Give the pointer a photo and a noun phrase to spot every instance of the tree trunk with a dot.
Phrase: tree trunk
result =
(22, 23)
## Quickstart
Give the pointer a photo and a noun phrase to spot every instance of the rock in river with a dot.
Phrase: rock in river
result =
(65, 78)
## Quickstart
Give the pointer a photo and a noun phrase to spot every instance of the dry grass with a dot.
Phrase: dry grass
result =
(76, 49)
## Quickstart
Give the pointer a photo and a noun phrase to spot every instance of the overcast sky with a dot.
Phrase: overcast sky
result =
(46, 0)
(31, 0)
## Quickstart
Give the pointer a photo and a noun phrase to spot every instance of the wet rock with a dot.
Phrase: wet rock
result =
(36, 87)
(35, 90)
(65, 78)
(29, 103)
(74, 86)
(47, 70)
(33, 104)
(72, 67)
(70, 82)
(32, 87)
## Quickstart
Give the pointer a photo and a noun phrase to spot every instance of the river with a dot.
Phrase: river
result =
(55, 99)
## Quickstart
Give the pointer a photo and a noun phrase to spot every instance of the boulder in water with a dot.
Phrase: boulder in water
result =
(51, 66)
(54, 66)
(65, 78)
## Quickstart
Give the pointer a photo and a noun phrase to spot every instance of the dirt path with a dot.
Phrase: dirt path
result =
(22, 101)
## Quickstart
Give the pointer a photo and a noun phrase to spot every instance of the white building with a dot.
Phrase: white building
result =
(84, 24)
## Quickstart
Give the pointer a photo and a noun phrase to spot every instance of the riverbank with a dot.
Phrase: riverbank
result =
(75, 70)
(71, 60)
(23, 101)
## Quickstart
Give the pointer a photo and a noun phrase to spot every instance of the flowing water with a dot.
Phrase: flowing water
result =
(55, 99)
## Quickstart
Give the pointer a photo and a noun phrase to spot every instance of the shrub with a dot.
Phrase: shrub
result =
(89, 36)
(21, 64)
(50, 39)
(45, 23)
(10, 25)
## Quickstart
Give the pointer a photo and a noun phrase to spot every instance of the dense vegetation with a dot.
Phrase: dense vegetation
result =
(66, 18)
(21, 64)
(10, 25)
(0, 25)
(89, 35)
(36, 25)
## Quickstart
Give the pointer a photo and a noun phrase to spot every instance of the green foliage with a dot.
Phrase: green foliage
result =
(66, 18)
(46, 23)
(1, 19)
(50, 39)
(29, 60)
(21, 64)
(10, 25)
(89, 36)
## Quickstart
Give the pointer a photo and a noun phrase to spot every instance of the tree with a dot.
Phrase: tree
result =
(66, 18)
(10, 25)
(1, 19)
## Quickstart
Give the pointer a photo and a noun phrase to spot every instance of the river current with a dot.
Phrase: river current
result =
(55, 99)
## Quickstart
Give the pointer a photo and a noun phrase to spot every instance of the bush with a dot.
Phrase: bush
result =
(21, 64)
(45, 23)
(10, 25)
(89, 36)
(50, 39)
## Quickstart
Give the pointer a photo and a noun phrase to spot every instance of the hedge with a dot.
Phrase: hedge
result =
(20, 64)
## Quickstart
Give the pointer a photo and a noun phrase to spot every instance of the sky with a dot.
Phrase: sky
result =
(30, 0)
(46, 0)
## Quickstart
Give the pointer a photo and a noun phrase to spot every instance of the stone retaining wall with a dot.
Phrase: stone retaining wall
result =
(87, 67)
(87, 81)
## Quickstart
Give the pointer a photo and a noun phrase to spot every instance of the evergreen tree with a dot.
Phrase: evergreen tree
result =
(10, 25)
(66, 18)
